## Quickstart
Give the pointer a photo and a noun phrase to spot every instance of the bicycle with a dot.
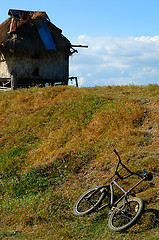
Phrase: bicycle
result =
(125, 211)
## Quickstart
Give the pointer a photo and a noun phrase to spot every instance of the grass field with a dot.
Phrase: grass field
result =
(56, 142)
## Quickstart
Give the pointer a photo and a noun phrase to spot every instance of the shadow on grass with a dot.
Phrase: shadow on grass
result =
(156, 213)
(149, 220)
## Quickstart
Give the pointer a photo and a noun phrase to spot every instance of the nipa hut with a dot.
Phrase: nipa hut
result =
(33, 51)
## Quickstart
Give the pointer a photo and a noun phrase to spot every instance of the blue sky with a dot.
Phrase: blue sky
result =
(122, 35)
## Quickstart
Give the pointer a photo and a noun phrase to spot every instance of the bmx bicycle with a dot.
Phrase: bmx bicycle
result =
(125, 211)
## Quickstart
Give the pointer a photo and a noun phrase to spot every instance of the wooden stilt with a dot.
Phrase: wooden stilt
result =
(13, 80)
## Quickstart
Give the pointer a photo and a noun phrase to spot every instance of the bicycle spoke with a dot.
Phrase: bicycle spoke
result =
(92, 204)
(120, 219)
(88, 201)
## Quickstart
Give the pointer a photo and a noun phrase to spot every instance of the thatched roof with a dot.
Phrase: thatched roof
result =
(25, 32)
(4, 29)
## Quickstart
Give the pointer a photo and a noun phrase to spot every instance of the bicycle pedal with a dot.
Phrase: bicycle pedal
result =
(110, 211)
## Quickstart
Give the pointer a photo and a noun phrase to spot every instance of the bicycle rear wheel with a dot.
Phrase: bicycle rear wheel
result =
(124, 216)
(89, 201)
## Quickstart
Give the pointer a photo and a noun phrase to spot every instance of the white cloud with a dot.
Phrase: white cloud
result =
(116, 61)
(81, 81)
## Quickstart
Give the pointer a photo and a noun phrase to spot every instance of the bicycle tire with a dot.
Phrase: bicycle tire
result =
(89, 201)
(123, 218)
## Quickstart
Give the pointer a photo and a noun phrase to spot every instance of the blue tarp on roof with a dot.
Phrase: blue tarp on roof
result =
(46, 36)
(15, 13)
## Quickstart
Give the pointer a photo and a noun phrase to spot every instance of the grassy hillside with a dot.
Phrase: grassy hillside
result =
(56, 142)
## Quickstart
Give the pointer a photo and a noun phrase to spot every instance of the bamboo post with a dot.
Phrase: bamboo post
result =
(13, 80)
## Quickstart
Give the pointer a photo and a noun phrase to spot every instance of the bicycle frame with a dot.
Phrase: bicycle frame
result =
(113, 204)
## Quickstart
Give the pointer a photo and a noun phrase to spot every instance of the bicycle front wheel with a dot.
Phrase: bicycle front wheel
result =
(126, 215)
(89, 201)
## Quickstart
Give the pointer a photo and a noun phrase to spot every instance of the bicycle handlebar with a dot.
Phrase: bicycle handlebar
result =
(127, 169)
(114, 150)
